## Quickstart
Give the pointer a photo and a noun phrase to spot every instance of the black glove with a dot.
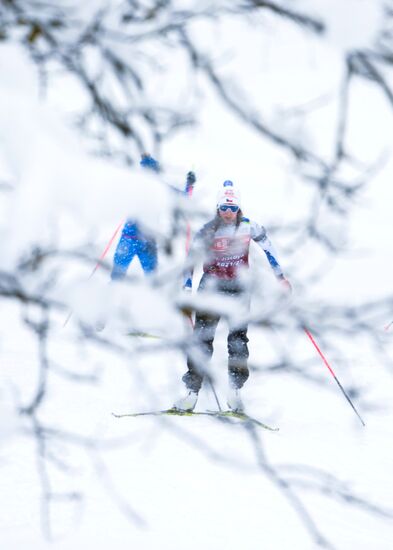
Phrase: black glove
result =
(191, 179)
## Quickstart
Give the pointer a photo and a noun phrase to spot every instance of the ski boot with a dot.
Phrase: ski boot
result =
(187, 403)
(234, 400)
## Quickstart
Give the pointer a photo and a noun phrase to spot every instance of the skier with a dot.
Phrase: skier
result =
(135, 242)
(223, 243)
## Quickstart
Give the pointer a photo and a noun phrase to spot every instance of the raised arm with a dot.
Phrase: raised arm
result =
(259, 236)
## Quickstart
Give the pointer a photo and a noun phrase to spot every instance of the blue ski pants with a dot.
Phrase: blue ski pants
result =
(127, 248)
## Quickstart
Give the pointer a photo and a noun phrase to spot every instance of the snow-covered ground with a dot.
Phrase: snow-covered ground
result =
(165, 482)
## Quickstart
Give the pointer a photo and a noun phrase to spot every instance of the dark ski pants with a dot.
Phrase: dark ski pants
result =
(204, 332)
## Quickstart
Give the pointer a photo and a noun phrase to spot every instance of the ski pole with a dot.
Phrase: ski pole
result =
(189, 189)
(387, 327)
(332, 373)
(105, 250)
(191, 179)
(104, 253)
(214, 393)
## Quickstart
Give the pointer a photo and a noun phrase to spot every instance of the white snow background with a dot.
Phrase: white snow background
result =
(192, 482)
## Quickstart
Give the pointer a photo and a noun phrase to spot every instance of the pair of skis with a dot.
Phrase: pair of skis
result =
(220, 415)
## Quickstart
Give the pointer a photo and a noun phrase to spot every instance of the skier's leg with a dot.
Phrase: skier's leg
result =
(237, 357)
(205, 327)
(199, 356)
(237, 337)
(147, 255)
(125, 252)
(237, 367)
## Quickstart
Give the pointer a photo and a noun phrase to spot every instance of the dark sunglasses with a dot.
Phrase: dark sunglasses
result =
(231, 207)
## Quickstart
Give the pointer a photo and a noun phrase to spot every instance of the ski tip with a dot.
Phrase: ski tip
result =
(244, 417)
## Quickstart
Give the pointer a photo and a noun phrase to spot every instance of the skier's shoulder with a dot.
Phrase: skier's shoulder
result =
(250, 222)
(208, 228)
(257, 231)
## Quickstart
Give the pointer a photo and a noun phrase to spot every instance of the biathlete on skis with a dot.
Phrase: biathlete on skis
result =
(223, 244)
(135, 242)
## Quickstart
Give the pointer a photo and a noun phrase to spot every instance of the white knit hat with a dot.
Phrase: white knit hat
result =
(228, 195)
